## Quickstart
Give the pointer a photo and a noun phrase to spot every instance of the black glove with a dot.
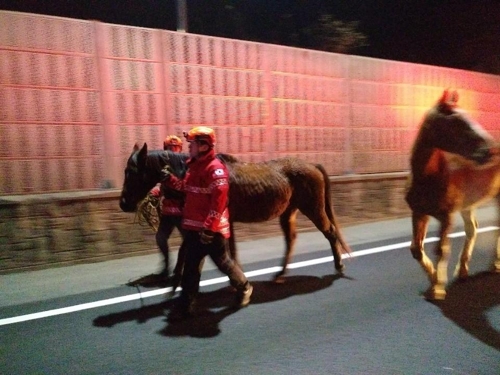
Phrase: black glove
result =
(165, 173)
(206, 236)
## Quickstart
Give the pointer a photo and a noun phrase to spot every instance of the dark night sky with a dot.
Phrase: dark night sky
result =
(461, 34)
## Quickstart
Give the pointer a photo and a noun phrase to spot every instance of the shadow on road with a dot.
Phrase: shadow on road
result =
(467, 303)
(213, 307)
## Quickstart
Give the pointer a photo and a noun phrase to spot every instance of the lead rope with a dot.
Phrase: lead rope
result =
(147, 213)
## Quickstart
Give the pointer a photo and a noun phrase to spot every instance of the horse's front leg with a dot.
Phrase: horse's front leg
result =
(419, 226)
(289, 227)
(232, 245)
(496, 265)
(179, 265)
(438, 289)
(470, 226)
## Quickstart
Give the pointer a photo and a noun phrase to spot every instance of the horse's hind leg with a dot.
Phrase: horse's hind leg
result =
(322, 222)
(496, 265)
(289, 227)
(497, 260)
(470, 226)
(332, 238)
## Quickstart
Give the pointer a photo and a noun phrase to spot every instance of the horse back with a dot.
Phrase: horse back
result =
(258, 192)
(307, 180)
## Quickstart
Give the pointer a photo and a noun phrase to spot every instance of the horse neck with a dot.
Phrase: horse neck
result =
(155, 161)
(428, 162)
(159, 158)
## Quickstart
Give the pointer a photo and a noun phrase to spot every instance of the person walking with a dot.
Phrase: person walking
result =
(205, 220)
(170, 218)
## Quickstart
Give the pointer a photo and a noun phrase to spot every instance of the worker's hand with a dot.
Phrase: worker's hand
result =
(206, 236)
(165, 173)
(163, 190)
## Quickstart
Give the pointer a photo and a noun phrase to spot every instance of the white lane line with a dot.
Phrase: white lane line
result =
(218, 280)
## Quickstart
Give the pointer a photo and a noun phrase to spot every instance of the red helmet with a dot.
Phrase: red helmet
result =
(172, 140)
(202, 134)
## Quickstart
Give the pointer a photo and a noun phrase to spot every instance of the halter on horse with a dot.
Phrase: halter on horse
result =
(441, 184)
(258, 192)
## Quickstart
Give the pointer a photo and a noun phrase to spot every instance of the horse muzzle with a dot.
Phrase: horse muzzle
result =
(484, 155)
(127, 206)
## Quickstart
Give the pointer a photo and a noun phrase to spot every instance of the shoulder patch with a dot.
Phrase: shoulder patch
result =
(219, 172)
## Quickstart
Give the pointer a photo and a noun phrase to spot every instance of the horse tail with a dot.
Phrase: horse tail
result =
(329, 210)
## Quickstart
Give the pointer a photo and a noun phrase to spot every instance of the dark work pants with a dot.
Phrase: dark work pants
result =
(195, 254)
(165, 229)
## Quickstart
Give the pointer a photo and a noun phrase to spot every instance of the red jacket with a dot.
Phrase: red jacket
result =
(169, 206)
(206, 186)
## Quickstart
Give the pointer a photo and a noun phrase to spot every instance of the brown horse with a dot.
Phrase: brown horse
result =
(258, 192)
(454, 167)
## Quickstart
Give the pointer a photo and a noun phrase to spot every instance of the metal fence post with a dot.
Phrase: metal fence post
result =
(268, 96)
(348, 146)
(110, 138)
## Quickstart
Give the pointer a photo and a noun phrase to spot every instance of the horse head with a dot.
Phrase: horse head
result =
(143, 172)
(139, 180)
(450, 129)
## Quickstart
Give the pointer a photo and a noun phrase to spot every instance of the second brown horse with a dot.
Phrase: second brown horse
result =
(454, 167)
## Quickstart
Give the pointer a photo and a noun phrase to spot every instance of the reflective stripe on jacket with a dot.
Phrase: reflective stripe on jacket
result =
(169, 206)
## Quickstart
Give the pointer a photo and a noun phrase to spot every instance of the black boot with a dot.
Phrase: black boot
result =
(243, 296)
(183, 309)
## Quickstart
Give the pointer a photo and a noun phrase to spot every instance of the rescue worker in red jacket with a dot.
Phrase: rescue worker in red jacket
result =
(171, 215)
(205, 220)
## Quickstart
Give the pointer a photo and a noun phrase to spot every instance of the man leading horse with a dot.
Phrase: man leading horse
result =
(205, 220)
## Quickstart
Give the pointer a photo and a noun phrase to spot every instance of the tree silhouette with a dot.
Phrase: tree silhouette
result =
(296, 24)
(330, 34)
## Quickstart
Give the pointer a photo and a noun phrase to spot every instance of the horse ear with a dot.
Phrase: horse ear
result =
(143, 153)
(136, 147)
(445, 97)
(449, 98)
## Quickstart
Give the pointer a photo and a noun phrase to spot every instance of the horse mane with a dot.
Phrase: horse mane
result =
(226, 158)
(177, 161)
(157, 159)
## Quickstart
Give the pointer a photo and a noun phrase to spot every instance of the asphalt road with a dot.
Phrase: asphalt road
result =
(371, 321)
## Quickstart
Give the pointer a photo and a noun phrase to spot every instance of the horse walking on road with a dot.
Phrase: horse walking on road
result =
(258, 192)
(454, 167)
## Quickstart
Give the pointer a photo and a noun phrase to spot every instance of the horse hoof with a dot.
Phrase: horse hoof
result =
(175, 281)
(435, 295)
(170, 294)
(461, 273)
(497, 267)
(279, 279)
(340, 269)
